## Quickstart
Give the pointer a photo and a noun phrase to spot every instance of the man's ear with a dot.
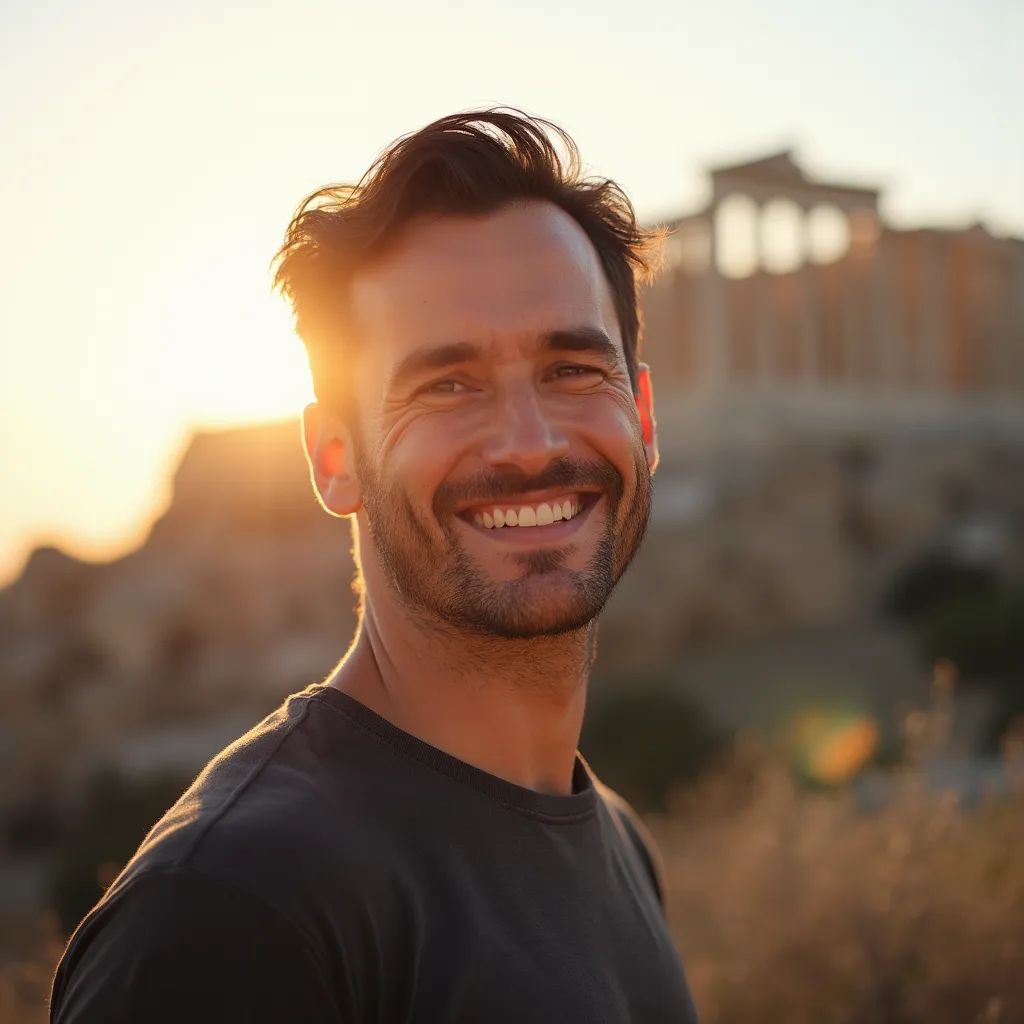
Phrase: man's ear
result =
(331, 457)
(645, 406)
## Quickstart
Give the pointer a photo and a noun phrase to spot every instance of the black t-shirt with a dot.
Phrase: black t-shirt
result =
(329, 867)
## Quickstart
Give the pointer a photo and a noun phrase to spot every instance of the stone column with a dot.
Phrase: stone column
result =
(810, 312)
(765, 362)
(884, 342)
(935, 340)
(713, 329)
(1015, 328)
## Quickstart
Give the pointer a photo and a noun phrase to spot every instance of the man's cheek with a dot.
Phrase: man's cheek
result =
(628, 413)
(611, 412)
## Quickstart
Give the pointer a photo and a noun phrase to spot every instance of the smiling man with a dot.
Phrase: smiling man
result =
(417, 838)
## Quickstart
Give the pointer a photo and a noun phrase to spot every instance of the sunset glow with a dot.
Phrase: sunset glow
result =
(154, 156)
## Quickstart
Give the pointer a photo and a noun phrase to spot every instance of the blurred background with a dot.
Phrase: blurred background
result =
(812, 679)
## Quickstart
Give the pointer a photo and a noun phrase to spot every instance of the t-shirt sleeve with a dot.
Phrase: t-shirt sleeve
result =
(178, 946)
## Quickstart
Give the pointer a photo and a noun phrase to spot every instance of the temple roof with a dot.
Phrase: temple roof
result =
(782, 171)
(774, 166)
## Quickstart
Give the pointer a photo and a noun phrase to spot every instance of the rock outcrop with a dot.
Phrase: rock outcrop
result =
(243, 591)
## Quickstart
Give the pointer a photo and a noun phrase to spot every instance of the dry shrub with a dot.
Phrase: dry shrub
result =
(30, 945)
(804, 908)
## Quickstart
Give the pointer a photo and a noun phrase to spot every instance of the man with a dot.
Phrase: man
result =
(417, 839)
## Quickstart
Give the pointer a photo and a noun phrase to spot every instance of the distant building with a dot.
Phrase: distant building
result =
(783, 285)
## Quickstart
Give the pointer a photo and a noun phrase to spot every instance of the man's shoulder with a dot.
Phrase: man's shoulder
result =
(274, 813)
(276, 838)
(631, 826)
(241, 774)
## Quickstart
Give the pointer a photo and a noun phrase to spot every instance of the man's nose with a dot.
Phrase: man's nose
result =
(524, 433)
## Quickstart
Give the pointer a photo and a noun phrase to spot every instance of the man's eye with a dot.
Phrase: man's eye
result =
(575, 370)
(448, 386)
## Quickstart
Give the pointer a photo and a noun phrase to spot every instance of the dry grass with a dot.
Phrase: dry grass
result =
(804, 909)
(30, 946)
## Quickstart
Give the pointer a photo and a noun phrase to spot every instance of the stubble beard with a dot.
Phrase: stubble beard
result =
(442, 582)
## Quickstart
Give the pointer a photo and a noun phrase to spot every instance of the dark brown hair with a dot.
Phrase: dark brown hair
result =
(464, 164)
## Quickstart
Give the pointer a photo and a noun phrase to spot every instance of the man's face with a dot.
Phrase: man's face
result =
(493, 389)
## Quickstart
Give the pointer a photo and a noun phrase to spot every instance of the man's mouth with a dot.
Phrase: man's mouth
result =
(553, 509)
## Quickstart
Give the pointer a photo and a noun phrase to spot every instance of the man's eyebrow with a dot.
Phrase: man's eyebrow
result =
(424, 360)
(582, 339)
(573, 339)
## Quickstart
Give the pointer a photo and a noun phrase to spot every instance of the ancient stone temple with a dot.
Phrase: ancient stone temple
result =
(787, 286)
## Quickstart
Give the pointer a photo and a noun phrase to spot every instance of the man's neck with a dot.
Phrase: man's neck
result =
(513, 708)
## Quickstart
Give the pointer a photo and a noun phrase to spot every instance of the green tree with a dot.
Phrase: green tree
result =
(116, 813)
(645, 742)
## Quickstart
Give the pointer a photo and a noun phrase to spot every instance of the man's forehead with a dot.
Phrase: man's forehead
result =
(522, 270)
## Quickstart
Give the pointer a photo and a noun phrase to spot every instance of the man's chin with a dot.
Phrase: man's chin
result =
(540, 605)
(528, 628)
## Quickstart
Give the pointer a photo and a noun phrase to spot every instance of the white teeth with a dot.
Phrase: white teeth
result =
(542, 514)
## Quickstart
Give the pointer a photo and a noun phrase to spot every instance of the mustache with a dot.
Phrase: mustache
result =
(496, 486)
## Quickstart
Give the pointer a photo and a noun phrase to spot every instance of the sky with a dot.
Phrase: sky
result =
(152, 154)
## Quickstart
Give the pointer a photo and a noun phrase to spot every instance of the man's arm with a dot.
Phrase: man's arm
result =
(178, 946)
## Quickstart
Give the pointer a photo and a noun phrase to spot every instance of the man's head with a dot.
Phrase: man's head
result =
(470, 314)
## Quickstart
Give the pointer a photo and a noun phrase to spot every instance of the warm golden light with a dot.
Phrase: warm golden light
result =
(155, 154)
(213, 350)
